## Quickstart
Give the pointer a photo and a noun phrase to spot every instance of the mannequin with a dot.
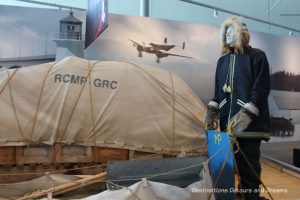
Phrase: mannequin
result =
(230, 35)
(240, 102)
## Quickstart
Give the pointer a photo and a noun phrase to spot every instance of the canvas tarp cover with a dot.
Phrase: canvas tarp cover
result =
(145, 189)
(149, 190)
(95, 103)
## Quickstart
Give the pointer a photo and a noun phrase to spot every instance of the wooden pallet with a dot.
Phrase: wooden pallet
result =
(59, 153)
(22, 163)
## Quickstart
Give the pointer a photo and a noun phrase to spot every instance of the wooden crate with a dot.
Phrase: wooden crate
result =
(104, 154)
(72, 154)
(66, 154)
(7, 155)
(39, 154)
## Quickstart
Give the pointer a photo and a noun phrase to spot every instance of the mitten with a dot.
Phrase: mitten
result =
(243, 118)
(212, 115)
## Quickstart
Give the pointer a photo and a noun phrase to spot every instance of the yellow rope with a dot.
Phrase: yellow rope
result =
(14, 108)
(10, 77)
(92, 110)
(173, 116)
(168, 92)
(77, 100)
(39, 100)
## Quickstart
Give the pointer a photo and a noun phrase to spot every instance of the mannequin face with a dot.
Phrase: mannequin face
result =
(230, 35)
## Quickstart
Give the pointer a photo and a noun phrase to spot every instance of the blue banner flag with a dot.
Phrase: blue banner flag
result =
(221, 164)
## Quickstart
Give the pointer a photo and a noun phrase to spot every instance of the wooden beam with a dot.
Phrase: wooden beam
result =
(55, 190)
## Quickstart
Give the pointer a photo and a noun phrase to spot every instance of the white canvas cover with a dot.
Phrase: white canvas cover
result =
(145, 189)
(19, 189)
(149, 190)
(94, 103)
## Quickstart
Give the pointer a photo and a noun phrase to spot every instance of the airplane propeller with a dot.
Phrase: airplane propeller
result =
(183, 45)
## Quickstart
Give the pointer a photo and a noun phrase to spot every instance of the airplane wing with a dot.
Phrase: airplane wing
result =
(172, 54)
(134, 42)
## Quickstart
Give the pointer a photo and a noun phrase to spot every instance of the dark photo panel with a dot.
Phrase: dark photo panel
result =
(96, 20)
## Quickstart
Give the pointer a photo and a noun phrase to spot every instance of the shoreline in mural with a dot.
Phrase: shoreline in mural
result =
(285, 81)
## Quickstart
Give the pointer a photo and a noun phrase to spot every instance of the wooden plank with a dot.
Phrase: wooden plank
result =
(7, 155)
(89, 154)
(59, 153)
(72, 154)
(131, 154)
(281, 184)
(139, 155)
(81, 154)
(34, 155)
(104, 154)
(38, 154)
(20, 156)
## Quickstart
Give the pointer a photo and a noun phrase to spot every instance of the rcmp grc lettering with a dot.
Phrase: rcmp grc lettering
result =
(81, 80)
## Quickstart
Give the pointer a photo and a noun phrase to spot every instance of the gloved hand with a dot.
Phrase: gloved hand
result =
(211, 118)
(240, 121)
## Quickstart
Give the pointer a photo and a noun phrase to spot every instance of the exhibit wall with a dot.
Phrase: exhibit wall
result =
(190, 50)
(29, 32)
(125, 34)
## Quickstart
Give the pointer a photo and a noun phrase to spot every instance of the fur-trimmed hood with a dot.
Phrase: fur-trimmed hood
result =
(242, 32)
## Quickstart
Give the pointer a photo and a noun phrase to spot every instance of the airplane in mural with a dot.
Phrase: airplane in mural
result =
(160, 50)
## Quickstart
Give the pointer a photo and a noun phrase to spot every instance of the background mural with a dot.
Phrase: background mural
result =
(202, 44)
(188, 49)
(27, 32)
